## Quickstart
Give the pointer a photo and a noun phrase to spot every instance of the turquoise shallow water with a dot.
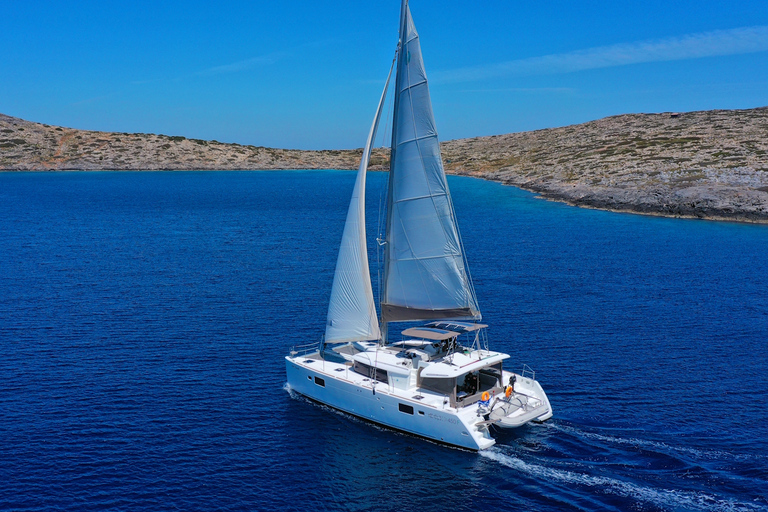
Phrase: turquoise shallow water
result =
(144, 318)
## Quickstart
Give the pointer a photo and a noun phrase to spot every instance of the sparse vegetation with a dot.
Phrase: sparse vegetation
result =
(637, 162)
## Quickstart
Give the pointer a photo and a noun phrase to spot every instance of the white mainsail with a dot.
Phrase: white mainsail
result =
(425, 276)
(352, 309)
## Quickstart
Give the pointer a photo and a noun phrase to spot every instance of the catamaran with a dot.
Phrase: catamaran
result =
(438, 380)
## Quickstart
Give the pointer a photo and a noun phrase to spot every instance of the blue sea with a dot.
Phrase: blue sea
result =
(144, 317)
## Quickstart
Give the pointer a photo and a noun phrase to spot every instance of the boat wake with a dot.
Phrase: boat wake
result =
(606, 469)
(672, 499)
(647, 444)
(287, 387)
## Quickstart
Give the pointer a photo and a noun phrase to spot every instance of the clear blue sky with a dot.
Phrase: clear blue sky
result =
(308, 74)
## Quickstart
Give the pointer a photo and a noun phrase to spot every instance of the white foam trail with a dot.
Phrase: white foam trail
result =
(287, 387)
(632, 441)
(674, 499)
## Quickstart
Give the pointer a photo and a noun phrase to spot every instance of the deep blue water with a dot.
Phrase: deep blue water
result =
(144, 318)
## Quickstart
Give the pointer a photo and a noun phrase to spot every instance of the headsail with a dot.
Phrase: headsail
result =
(425, 276)
(352, 309)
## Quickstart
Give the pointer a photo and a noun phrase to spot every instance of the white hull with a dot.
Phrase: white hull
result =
(382, 406)
(431, 416)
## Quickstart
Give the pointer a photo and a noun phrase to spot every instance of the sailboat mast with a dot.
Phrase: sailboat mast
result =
(393, 147)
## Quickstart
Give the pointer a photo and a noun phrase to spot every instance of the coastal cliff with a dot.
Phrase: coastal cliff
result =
(709, 164)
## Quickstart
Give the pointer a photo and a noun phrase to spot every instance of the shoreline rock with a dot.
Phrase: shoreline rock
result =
(707, 165)
(706, 202)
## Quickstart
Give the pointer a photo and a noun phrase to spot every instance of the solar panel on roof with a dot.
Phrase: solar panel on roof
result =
(456, 326)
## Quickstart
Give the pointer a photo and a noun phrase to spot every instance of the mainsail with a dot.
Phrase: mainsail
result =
(352, 309)
(424, 274)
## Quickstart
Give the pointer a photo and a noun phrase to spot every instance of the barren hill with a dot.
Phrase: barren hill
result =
(709, 164)
(28, 146)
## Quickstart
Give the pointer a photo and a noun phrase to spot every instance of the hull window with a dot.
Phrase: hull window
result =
(405, 408)
(319, 381)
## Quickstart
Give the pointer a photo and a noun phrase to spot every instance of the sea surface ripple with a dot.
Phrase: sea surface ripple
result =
(144, 318)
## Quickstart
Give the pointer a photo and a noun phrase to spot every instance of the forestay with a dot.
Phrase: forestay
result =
(425, 275)
(352, 309)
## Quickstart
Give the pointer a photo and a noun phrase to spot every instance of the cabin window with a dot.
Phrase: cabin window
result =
(381, 376)
(374, 373)
(319, 381)
(442, 386)
(490, 377)
(405, 408)
(362, 369)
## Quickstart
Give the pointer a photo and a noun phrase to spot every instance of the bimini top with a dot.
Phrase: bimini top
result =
(459, 327)
(461, 364)
(430, 333)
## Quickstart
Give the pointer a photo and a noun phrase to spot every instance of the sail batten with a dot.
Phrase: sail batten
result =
(352, 308)
(417, 138)
(411, 86)
(425, 276)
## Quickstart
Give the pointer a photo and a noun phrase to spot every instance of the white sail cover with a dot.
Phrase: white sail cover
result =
(425, 276)
(352, 309)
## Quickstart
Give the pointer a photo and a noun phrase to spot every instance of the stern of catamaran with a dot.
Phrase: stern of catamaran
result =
(453, 358)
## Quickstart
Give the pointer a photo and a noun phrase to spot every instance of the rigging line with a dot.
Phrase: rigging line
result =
(383, 189)
(392, 158)
(382, 192)
(379, 246)
(466, 266)
(390, 109)
(378, 260)
(464, 257)
(369, 145)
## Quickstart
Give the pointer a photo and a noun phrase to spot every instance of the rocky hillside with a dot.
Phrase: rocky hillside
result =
(28, 146)
(710, 164)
